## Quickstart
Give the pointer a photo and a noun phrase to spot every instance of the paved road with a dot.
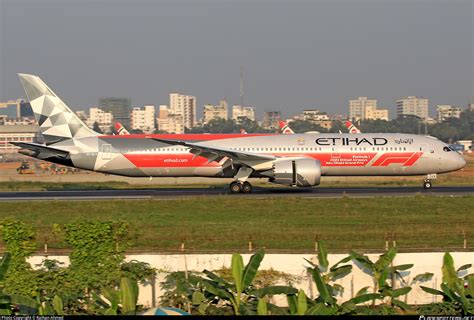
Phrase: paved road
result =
(174, 193)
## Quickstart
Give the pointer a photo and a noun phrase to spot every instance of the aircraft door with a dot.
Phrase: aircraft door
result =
(106, 152)
(335, 153)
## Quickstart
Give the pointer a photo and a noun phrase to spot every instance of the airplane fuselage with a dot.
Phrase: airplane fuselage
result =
(339, 154)
(287, 159)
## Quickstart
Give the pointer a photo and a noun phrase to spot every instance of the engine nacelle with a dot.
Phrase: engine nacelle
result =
(297, 172)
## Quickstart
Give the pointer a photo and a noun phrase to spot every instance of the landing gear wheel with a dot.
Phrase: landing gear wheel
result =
(235, 187)
(427, 185)
(246, 187)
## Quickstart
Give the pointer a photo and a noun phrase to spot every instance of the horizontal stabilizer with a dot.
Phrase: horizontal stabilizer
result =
(37, 149)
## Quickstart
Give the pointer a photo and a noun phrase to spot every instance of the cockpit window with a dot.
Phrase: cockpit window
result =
(447, 149)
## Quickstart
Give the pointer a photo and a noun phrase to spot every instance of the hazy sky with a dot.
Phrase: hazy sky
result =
(296, 54)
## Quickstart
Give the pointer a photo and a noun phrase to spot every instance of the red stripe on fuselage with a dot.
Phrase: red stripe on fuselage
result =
(168, 160)
(413, 159)
(327, 159)
(386, 158)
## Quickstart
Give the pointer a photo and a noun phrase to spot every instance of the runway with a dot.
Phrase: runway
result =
(175, 193)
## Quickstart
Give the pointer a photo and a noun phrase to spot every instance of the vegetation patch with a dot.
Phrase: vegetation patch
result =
(226, 224)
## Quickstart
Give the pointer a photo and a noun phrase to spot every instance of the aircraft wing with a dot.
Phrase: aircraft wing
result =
(218, 153)
(41, 149)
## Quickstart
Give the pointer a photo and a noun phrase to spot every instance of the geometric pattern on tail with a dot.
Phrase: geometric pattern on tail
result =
(56, 121)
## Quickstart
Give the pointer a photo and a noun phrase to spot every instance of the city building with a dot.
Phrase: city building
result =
(271, 119)
(337, 117)
(6, 121)
(467, 145)
(16, 133)
(243, 112)
(163, 111)
(11, 108)
(173, 123)
(104, 119)
(363, 108)
(315, 116)
(118, 107)
(411, 105)
(470, 105)
(169, 122)
(81, 114)
(184, 105)
(211, 112)
(448, 111)
(143, 119)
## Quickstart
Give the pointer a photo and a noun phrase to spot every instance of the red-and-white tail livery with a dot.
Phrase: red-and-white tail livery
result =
(120, 129)
(351, 127)
(298, 160)
(284, 128)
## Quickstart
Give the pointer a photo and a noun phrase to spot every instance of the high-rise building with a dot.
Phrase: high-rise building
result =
(184, 105)
(163, 111)
(366, 109)
(173, 123)
(243, 112)
(270, 119)
(143, 119)
(119, 107)
(211, 112)
(102, 118)
(411, 105)
(169, 122)
(447, 111)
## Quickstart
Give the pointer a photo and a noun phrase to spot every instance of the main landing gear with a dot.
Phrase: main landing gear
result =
(427, 182)
(240, 187)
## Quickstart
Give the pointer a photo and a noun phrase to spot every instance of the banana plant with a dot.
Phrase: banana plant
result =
(455, 289)
(297, 303)
(122, 301)
(381, 271)
(244, 298)
(324, 278)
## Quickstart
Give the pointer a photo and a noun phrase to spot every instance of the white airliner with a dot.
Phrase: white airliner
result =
(295, 159)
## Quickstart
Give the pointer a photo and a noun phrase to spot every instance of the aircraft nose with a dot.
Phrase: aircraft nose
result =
(460, 162)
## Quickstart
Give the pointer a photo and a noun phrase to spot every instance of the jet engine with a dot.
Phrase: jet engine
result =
(296, 172)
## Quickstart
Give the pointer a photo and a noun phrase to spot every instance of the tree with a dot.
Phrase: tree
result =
(302, 126)
(96, 127)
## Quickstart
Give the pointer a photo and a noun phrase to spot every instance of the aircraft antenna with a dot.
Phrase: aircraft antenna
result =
(242, 86)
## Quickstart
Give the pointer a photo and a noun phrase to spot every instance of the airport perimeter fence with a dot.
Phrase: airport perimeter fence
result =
(48, 244)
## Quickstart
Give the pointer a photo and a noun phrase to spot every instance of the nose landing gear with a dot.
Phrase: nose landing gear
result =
(427, 182)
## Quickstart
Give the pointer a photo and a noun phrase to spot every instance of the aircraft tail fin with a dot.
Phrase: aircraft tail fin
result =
(120, 129)
(284, 128)
(56, 121)
(351, 127)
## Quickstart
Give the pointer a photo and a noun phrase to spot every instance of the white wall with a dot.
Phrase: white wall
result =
(295, 264)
